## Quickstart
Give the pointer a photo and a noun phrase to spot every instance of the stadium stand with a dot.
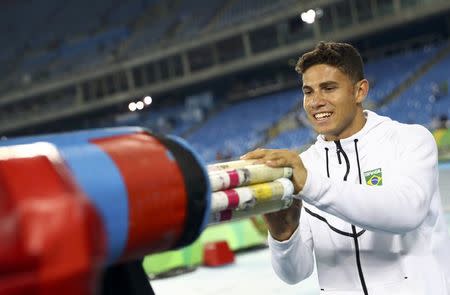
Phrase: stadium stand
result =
(422, 102)
(53, 41)
(241, 125)
(387, 73)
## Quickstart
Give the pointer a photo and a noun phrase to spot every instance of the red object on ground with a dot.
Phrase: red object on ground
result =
(217, 253)
(51, 240)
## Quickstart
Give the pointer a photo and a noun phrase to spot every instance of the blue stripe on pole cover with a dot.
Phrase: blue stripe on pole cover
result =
(100, 179)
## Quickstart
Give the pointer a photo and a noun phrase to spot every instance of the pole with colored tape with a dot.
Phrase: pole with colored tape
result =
(152, 192)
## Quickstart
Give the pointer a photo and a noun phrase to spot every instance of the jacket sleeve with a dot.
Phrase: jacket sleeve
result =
(397, 207)
(292, 260)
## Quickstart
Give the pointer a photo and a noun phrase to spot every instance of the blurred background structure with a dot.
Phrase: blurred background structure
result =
(219, 73)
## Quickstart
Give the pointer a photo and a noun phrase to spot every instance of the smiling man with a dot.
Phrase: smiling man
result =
(368, 204)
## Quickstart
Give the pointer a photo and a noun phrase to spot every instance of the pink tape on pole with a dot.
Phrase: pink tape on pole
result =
(225, 215)
(233, 199)
(234, 178)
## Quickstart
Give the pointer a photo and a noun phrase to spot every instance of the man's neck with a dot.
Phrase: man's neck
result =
(357, 124)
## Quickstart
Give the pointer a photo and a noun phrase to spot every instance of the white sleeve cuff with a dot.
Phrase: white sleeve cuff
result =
(283, 245)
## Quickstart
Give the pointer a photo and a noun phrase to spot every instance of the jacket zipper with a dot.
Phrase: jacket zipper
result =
(355, 236)
(358, 261)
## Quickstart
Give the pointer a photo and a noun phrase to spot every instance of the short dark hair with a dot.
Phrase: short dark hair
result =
(343, 56)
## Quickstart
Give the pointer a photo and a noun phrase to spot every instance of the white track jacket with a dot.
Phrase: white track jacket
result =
(372, 214)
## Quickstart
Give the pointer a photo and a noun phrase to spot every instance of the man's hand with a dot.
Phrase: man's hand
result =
(281, 158)
(282, 224)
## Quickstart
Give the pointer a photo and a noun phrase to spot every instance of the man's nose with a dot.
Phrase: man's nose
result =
(316, 101)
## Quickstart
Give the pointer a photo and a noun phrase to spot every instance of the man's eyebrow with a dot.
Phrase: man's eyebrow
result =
(328, 83)
(322, 85)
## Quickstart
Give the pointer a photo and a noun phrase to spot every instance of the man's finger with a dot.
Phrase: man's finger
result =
(277, 162)
(256, 154)
(269, 156)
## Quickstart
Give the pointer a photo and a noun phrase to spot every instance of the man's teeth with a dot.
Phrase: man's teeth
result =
(322, 115)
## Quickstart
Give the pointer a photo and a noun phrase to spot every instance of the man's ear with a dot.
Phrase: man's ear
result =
(362, 88)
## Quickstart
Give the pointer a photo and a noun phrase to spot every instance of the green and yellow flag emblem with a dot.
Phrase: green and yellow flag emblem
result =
(374, 177)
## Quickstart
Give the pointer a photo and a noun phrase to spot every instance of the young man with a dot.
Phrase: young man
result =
(368, 202)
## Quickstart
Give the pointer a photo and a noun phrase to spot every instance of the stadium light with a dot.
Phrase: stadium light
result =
(309, 16)
(139, 105)
(132, 106)
(148, 100)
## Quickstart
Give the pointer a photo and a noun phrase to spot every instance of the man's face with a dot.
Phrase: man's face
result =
(332, 101)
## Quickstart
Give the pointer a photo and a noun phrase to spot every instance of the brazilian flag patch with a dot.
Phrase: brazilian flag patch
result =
(374, 177)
